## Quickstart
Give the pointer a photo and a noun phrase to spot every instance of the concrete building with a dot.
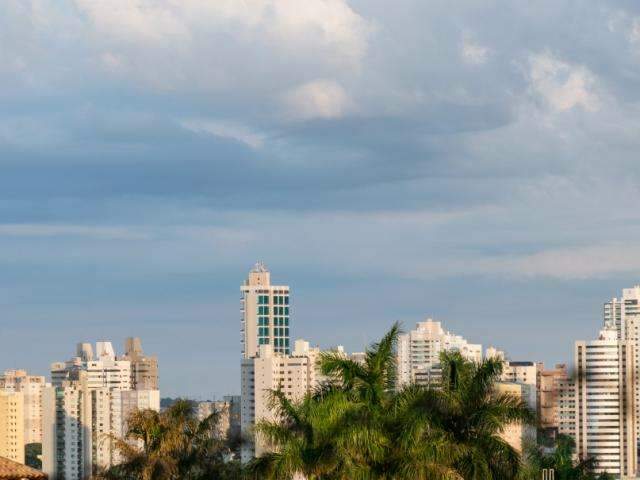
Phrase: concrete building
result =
(294, 374)
(265, 313)
(516, 434)
(228, 411)
(551, 384)
(103, 369)
(12, 426)
(566, 407)
(144, 368)
(418, 351)
(605, 415)
(31, 387)
(91, 398)
(624, 314)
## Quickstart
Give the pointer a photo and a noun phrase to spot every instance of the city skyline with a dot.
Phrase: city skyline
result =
(218, 388)
(476, 163)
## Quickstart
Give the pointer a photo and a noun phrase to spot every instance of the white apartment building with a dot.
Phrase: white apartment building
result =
(605, 417)
(294, 374)
(104, 370)
(31, 387)
(12, 426)
(89, 402)
(418, 352)
(265, 313)
(516, 434)
(144, 368)
(624, 314)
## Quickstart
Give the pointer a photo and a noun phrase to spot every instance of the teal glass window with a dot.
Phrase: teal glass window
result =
(286, 300)
(286, 321)
(286, 310)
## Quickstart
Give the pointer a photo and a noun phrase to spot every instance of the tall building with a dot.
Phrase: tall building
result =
(31, 387)
(624, 314)
(12, 426)
(418, 352)
(228, 411)
(605, 416)
(552, 386)
(87, 406)
(144, 368)
(294, 374)
(516, 434)
(103, 369)
(265, 313)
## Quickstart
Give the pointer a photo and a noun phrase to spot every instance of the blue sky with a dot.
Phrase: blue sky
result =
(476, 162)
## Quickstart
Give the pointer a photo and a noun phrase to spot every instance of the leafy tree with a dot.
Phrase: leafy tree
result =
(172, 445)
(33, 453)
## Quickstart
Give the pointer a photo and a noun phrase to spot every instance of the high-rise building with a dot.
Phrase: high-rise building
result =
(87, 406)
(418, 352)
(294, 374)
(265, 313)
(144, 368)
(103, 369)
(624, 314)
(552, 385)
(605, 415)
(12, 426)
(516, 434)
(228, 412)
(31, 387)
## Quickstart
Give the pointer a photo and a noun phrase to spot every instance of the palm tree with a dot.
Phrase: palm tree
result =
(563, 462)
(465, 416)
(171, 445)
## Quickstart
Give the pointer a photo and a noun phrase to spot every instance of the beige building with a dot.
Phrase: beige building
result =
(228, 411)
(264, 309)
(12, 426)
(550, 385)
(516, 434)
(605, 391)
(89, 403)
(294, 374)
(144, 368)
(31, 387)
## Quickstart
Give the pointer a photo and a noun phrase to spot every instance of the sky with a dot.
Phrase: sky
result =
(471, 161)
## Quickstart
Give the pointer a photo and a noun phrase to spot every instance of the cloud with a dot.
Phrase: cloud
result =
(474, 53)
(318, 99)
(224, 129)
(561, 85)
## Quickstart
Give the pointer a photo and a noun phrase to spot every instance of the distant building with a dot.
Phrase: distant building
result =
(31, 387)
(516, 434)
(88, 405)
(12, 426)
(605, 393)
(294, 374)
(144, 368)
(265, 313)
(228, 410)
(418, 352)
(551, 384)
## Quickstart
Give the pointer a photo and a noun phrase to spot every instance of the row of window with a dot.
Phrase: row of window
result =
(278, 332)
(264, 310)
(277, 300)
(278, 321)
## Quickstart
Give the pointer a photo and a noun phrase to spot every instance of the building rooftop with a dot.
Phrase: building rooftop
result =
(10, 470)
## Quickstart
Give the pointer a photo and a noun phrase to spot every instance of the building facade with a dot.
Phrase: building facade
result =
(418, 352)
(294, 374)
(31, 387)
(605, 427)
(265, 311)
(87, 406)
(144, 368)
(12, 426)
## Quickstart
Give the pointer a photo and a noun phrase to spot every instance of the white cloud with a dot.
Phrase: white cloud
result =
(474, 53)
(561, 85)
(225, 129)
(317, 99)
